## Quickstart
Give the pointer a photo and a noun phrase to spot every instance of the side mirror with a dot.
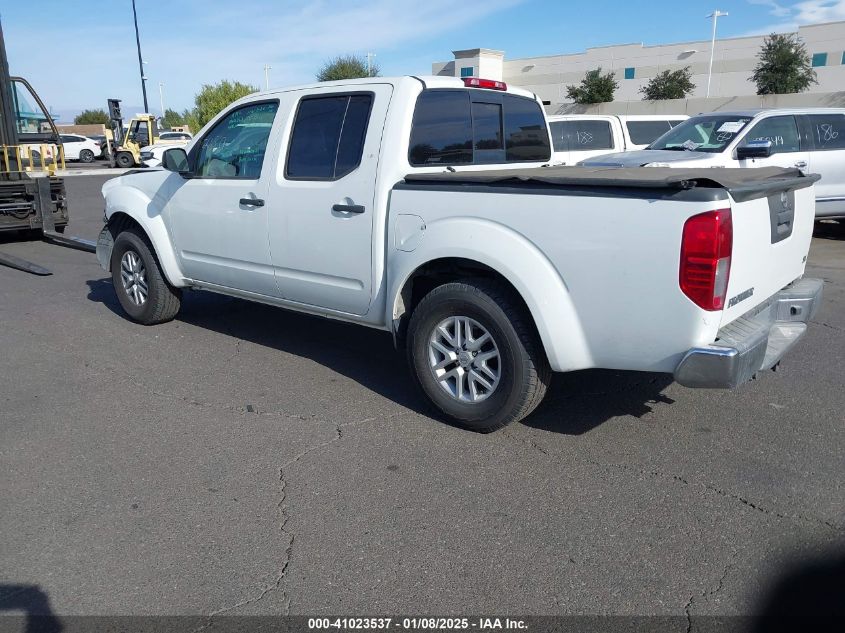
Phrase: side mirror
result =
(176, 159)
(754, 149)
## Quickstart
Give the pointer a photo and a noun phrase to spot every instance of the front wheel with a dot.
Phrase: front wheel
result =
(125, 159)
(475, 354)
(86, 156)
(143, 292)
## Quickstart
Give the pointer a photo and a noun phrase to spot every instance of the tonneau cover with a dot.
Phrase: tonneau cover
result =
(741, 183)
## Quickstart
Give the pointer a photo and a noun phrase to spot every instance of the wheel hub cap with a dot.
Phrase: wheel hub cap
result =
(133, 276)
(464, 359)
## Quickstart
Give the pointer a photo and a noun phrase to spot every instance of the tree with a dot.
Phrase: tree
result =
(88, 117)
(346, 67)
(784, 66)
(212, 99)
(172, 118)
(670, 84)
(594, 88)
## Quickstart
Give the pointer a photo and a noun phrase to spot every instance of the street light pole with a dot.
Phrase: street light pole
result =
(140, 59)
(161, 96)
(715, 15)
(267, 76)
(370, 64)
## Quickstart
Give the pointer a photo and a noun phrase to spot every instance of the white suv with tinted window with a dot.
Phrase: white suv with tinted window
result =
(811, 139)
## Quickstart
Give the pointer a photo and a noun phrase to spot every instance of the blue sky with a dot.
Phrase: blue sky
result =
(91, 56)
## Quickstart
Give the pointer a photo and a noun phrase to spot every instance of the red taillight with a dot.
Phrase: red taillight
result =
(706, 258)
(492, 84)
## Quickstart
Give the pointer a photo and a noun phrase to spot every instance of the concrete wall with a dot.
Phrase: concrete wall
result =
(697, 106)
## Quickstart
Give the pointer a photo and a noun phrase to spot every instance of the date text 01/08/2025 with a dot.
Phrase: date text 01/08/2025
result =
(417, 623)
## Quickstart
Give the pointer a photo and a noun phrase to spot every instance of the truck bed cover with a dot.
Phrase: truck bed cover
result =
(742, 183)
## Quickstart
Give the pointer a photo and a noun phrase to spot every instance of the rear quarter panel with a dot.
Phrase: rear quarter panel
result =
(615, 301)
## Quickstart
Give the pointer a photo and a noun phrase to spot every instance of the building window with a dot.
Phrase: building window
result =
(819, 59)
(467, 71)
(629, 73)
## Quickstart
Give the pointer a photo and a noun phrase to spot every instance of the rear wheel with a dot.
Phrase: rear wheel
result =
(86, 156)
(125, 159)
(143, 292)
(476, 356)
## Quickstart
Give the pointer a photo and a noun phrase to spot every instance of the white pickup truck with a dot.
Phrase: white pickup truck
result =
(384, 202)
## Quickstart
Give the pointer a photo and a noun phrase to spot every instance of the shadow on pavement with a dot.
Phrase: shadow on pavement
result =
(576, 402)
(34, 605)
(808, 589)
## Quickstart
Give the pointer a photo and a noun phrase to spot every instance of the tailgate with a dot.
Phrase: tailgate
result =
(771, 239)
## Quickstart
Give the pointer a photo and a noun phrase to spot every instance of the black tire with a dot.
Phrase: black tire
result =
(124, 159)
(86, 156)
(524, 372)
(162, 301)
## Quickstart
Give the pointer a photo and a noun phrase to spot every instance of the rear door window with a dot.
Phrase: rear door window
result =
(644, 132)
(328, 135)
(579, 135)
(453, 127)
(828, 131)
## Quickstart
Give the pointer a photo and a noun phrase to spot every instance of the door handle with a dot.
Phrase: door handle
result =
(801, 164)
(252, 202)
(348, 208)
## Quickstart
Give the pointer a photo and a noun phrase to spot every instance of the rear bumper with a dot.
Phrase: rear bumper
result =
(753, 342)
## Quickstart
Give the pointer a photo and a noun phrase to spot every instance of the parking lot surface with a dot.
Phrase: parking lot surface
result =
(246, 460)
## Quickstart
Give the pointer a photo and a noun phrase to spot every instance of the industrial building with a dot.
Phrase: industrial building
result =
(634, 64)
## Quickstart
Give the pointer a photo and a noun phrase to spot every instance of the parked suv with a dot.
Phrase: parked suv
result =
(811, 139)
(577, 137)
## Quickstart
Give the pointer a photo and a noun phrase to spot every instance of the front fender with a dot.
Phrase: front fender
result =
(515, 258)
(123, 198)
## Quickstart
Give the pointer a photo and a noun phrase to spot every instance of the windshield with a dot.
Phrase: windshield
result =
(710, 133)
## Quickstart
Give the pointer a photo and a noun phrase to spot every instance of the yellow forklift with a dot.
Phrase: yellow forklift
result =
(124, 146)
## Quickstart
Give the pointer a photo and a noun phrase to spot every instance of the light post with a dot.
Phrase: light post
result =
(267, 70)
(370, 64)
(140, 59)
(161, 97)
(715, 15)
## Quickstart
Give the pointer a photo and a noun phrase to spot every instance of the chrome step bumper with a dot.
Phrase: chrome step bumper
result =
(755, 341)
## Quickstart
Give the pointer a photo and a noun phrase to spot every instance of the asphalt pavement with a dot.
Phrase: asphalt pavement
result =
(247, 460)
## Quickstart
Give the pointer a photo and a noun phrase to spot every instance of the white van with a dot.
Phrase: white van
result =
(810, 139)
(577, 137)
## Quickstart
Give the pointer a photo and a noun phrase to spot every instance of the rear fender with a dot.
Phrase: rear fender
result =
(519, 261)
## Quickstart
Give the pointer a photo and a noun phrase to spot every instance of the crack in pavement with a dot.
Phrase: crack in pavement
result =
(704, 594)
(677, 478)
(282, 507)
(828, 325)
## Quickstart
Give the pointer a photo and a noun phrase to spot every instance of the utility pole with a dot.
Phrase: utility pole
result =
(140, 59)
(267, 70)
(161, 97)
(715, 15)
(370, 64)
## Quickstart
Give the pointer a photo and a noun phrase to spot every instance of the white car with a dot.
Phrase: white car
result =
(384, 202)
(810, 139)
(174, 137)
(80, 148)
(151, 154)
(577, 137)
